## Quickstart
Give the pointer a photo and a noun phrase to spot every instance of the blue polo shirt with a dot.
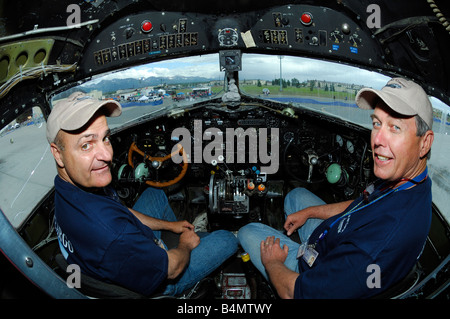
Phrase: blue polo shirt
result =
(99, 234)
(389, 233)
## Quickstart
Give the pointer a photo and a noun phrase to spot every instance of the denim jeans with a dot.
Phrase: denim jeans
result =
(213, 250)
(251, 235)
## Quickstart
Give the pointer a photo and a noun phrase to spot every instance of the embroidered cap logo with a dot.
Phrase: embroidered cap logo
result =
(393, 85)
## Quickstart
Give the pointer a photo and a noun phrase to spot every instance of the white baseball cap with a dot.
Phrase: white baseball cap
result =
(75, 111)
(403, 96)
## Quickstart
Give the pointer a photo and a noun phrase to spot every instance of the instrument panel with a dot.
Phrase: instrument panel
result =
(291, 28)
(145, 35)
(245, 145)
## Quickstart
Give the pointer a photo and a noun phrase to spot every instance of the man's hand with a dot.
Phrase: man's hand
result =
(295, 220)
(273, 258)
(158, 224)
(180, 226)
(271, 251)
(189, 239)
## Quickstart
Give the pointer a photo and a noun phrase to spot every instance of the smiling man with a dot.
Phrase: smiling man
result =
(384, 229)
(398, 136)
(97, 232)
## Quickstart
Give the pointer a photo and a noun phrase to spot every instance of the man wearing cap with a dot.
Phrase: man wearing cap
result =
(357, 249)
(107, 240)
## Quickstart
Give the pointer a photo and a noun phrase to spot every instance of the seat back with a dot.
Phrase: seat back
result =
(403, 286)
(94, 288)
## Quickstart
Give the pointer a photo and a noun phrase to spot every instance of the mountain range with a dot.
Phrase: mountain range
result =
(112, 85)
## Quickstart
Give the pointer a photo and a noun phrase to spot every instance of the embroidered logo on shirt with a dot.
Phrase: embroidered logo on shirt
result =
(64, 243)
(343, 224)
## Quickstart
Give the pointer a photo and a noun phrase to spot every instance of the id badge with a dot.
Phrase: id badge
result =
(310, 256)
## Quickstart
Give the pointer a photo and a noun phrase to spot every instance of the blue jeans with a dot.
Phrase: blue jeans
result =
(213, 250)
(251, 235)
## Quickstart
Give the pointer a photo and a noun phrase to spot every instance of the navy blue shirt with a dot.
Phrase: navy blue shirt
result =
(100, 234)
(389, 233)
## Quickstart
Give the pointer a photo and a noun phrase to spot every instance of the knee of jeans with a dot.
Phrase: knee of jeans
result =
(294, 195)
(246, 228)
(246, 231)
(231, 240)
(154, 192)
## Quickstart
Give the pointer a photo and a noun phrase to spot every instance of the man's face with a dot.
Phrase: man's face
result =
(86, 156)
(396, 149)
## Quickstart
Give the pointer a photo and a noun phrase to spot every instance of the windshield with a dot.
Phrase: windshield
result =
(27, 167)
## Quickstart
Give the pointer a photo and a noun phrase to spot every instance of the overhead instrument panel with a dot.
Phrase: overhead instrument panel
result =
(296, 29)
(318, 30)
(142, 36)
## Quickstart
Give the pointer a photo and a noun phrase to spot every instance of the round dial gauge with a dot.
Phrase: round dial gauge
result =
(159, 140)
(288, 136)
(350, 147)
(336, 36)
(228, 37)
(355, 40)
(339, 140)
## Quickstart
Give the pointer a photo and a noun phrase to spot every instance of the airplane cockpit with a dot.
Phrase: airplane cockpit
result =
(225, 106)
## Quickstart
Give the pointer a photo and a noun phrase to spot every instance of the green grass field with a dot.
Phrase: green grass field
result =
(291, 91)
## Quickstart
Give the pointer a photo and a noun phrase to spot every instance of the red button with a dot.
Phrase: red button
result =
(146, 26)
(306, 18)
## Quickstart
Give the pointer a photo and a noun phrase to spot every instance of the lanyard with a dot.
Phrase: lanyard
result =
(419, 179)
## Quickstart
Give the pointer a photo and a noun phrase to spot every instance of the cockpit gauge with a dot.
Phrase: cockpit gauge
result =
(272, 121)
(230, 60)
(159, 140)
(228, 37)
(339, 140)
(355, 40)
(288, 136)
(336, 36)
(350, 147)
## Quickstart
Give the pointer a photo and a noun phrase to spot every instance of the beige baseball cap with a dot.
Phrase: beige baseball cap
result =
(403, 96)
(75, 111)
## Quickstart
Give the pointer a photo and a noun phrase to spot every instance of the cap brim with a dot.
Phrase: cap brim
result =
(366, 99)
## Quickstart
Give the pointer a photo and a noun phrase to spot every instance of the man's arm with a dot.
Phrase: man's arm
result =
(296, 220)
(273, 257)
(159, 224)
(179, 257)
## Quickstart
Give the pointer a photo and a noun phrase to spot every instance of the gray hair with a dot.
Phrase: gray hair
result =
(422, 128)
(58, 141)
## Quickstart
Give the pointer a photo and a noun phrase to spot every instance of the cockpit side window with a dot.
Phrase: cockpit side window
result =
(27, 168)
